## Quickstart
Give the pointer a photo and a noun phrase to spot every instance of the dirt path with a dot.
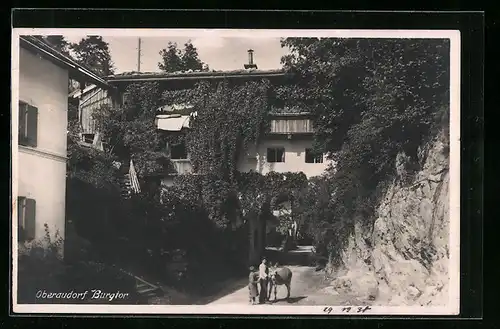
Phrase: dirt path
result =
(307, 288)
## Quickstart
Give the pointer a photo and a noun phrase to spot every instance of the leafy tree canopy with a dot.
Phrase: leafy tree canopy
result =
(230, 121)
(59, 43)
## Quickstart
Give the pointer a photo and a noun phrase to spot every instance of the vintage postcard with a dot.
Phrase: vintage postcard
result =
(298, 172)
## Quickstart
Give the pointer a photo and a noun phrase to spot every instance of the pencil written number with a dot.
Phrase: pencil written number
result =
(359, 309)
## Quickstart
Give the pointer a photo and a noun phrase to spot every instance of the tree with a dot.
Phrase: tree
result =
(93, 53)
(131, 128)
(229, 119)
(133, 226)
(175, 60)
(343, 79)
(171, 57)
(190, 58)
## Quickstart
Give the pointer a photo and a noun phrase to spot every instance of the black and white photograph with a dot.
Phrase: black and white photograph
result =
(299, 172)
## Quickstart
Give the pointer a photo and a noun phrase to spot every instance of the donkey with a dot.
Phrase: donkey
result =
(278, 277)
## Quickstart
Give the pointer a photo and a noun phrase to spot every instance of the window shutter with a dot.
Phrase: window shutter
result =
(32, 125)
(30, 219)
(21, 201)
(22, 123)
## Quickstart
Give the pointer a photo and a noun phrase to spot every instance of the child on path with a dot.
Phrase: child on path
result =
(253, 279)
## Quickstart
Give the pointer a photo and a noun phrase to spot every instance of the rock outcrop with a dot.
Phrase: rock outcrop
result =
(403, 258)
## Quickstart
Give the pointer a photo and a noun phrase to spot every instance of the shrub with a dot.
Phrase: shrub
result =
(41, 268)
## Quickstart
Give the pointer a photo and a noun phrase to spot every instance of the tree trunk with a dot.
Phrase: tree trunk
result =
(253, 239)
(262, 235)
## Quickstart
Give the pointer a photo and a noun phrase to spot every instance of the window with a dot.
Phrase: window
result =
(26, 213)
(28, 124)
(312, 157)
(105, 143)
(178, 151)
(276, 154)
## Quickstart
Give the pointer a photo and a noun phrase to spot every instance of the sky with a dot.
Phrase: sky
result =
(220, 53)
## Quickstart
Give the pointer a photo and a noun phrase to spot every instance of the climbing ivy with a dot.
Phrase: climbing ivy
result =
(229, 118)
(255, 189)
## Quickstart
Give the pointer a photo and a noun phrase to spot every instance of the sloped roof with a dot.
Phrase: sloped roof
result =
(172, 122)
(156, 76)
(34, 44)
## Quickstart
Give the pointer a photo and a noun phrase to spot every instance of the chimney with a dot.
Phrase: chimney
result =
(250, 56)
(250, 64)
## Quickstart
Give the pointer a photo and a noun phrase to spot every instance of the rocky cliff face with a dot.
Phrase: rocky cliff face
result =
(403, 258)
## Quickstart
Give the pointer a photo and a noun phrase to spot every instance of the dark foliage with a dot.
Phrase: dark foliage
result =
(176, 60)
(93, 52)
(372, 99)
(55, 275)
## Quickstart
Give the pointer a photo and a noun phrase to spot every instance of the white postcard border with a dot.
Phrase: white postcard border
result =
(454, 270)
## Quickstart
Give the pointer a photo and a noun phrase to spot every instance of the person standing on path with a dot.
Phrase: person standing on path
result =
(264, 280)
(253, 279)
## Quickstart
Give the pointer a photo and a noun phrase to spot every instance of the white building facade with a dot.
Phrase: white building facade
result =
(42, 137)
